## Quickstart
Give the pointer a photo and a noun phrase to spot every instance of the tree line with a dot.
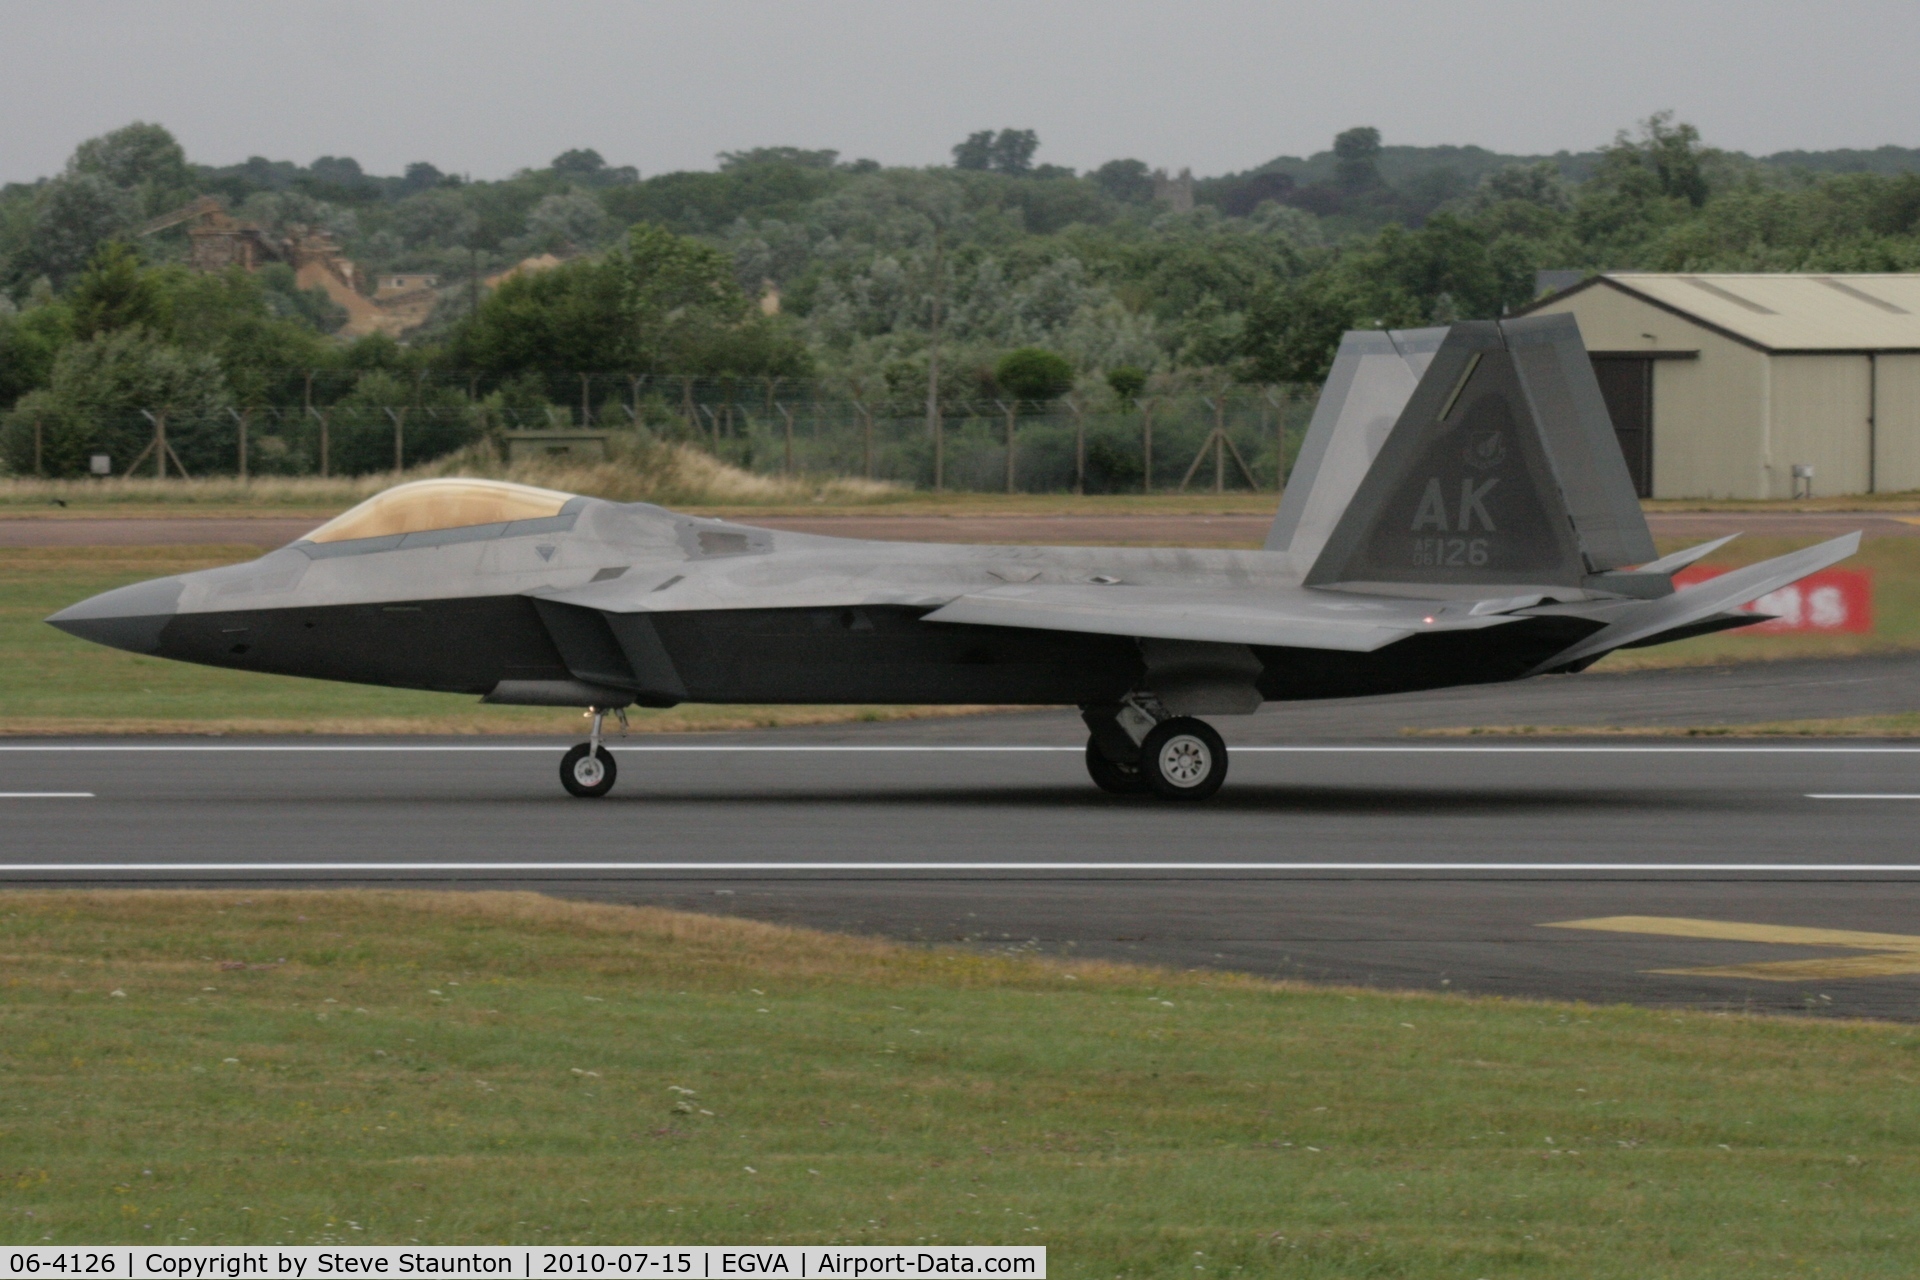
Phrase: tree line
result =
(911, 284)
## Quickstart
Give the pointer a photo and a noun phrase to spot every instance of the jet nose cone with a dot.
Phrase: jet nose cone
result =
(126, 617)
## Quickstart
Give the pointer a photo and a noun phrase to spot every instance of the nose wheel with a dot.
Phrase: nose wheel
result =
(587, 771)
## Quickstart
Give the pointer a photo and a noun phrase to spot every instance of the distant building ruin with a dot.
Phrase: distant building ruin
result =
(218, 241)
(1175, 193)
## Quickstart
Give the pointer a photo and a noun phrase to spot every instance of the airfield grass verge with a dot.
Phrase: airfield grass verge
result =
(381, 1067)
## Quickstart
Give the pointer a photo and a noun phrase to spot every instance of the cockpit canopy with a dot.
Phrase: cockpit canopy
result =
(425, 506)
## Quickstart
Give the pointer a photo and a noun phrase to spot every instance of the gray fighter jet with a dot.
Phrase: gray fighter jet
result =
(1460, 514)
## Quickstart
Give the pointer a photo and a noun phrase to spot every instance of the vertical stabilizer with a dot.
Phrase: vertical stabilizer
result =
(1373, 376)
(1501, 469)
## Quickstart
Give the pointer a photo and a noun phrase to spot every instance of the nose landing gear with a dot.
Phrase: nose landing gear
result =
(587, 770)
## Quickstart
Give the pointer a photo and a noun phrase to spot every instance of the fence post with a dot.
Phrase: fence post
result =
(161, 449)
(787, 414)
(1220, 443)
(1276, 397)
(399, 439)
(1079, 443)
(1146, 444)
(240, 417)
(1011, 410)
(320, 416)
(586, 401)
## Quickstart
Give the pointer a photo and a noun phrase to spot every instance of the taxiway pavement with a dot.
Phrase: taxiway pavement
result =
(1692, 869)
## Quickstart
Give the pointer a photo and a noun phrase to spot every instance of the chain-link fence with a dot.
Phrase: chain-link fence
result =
(1227, 436)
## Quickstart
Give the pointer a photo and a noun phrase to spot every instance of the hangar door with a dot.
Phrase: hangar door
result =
(1626, 384)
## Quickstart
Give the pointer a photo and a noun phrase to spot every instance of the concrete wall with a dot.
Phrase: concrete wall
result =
(1709, 413)
(1820, 415)
(1897, 468)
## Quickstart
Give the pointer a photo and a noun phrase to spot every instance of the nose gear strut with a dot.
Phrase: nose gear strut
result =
(587, 770)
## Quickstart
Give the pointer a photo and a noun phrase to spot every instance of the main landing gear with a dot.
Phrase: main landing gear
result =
(1138, 748)
(587, 771)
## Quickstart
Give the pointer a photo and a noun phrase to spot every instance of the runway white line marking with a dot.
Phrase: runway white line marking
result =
(50, 868)
(1840, 795)
(975, 750)
(46, 795)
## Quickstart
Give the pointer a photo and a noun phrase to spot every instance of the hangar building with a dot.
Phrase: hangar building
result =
(1733, 386)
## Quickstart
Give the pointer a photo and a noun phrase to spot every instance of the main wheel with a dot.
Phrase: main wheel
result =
(588, 776)
(1111, 776)
(1183, 759)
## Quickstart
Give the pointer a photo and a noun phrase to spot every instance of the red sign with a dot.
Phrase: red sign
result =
(1830, 600)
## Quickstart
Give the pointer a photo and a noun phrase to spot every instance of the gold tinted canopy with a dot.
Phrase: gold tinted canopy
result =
(426, 505)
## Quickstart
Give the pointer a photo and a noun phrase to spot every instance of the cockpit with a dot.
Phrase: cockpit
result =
(431, 506)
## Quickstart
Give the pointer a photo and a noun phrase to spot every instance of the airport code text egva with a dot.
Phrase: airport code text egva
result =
(303, 1262)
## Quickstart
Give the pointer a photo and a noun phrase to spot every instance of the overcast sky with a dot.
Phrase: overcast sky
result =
(489, 86)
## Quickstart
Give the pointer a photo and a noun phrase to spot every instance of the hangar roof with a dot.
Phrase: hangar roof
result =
(1781, 312)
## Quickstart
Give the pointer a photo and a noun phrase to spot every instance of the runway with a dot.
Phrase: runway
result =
(1780, 874)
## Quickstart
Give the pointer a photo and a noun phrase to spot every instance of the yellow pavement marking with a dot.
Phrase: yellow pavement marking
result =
(1898, 953)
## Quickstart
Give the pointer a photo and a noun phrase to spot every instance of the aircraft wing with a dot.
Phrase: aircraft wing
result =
(1243, 615)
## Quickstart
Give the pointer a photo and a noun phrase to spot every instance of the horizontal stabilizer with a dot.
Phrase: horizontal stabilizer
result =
(1703, 600)
(1681, 559)
(1302, 621)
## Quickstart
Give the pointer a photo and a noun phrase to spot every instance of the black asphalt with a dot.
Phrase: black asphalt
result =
(1286, 872)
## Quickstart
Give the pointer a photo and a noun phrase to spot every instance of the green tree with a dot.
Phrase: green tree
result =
(1012, 151)
(142, 158)
(73, 215)
(1356, 158)
(29, 342)
(572, 318)
(975, 152)
(1033, 373)
(1293, 327)
(99, 387)
(1127, 381)
(115, 293)
(678, 293)
(433, 420)
(1126, 180)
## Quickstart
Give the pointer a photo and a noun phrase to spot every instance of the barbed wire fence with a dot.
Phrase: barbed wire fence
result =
(1218, 436)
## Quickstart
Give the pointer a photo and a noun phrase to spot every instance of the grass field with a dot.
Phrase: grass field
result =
(384, 1067)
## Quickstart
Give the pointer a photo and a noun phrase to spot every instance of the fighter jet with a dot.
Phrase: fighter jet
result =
(1460, 514)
